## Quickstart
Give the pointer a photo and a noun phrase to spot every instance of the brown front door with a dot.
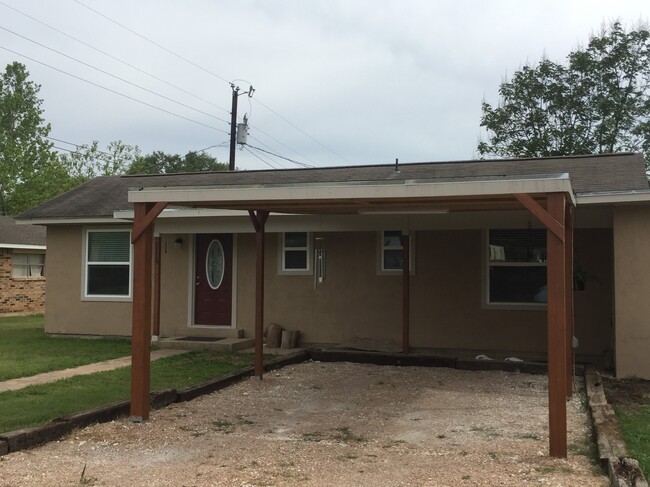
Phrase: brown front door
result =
(213, 280)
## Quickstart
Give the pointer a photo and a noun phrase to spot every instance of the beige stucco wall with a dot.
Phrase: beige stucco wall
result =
(65, 311)
(174, 293)
(632, 295)
(446, 310)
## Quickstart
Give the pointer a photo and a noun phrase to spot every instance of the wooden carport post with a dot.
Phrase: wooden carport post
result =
(553, 219)
(141, 238)
(568, 252)
(259, 221)
(557, 334)
(406, 290)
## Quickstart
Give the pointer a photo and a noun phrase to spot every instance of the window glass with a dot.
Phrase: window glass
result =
(108, 280)
(108, 263)
(214, 264)
(28, 265)
(295, 239)
(392, 255)
(295, 251)
(517, 266)
(109, 246)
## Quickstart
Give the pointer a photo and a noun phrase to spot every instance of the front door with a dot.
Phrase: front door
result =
(213, 280)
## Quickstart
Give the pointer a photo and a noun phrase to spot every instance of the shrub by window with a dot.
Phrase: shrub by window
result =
(108, 263)
(517, 266)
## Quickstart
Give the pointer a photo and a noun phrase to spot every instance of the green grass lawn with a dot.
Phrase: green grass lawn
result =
(26, 350)
(631, 401)
(635, 426)
(40, 403)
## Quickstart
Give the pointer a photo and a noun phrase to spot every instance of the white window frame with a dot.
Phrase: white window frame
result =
(105, 297)
(282, 270)
(28, 265)
(381, 270)
(487, 263)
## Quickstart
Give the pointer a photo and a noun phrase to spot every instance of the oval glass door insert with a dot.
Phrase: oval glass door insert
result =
(214, 264)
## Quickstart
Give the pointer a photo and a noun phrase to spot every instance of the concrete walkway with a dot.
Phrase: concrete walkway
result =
(116, 363)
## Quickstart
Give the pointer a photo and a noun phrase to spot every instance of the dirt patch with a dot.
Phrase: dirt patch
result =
(340, 424)
(633, 395)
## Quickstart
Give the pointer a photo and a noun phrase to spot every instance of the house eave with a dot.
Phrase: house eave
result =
(21, 246)
(614, 197)
(352, 196)
(71, 221)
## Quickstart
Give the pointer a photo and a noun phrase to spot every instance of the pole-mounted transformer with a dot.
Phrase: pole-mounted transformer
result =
(242, 131)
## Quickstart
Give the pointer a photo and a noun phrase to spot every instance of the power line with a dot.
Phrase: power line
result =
(279, 142)
(301, 164)
(260, 158)
(160, 46)
(115, 58)
(113, 76)
(208, 72)
(62, 148)
(301, 130)
(114, 91)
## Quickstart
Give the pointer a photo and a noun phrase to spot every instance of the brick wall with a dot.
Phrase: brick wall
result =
(21, 294)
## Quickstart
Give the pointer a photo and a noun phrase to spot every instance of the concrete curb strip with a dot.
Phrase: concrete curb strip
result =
(612, 451)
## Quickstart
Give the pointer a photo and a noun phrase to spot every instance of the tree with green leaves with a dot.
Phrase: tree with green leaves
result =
(89, 161)
(162, 163)
(29, 170)
(597, 102)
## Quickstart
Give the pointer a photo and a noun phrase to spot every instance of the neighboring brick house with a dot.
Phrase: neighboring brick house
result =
(22, 267)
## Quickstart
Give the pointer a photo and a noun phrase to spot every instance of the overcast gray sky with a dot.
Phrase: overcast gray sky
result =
(337, 82)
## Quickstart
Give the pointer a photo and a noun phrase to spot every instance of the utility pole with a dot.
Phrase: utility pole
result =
(233, 126)
(233, 122)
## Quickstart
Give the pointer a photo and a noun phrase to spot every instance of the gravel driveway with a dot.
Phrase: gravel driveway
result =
(329, 424)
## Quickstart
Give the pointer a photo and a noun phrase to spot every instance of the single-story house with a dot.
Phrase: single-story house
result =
(469, 255)
(477, 271)
(22, 267)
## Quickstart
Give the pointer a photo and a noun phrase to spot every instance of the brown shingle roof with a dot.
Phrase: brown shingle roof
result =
(13, 234)
(100, 197)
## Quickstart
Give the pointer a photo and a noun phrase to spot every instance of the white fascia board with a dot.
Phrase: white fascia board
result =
(184, 213)
(603, 198)
(22, 246)
(70, 221)
(333, 192)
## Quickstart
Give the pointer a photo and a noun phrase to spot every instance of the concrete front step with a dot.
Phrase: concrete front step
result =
(216, 331)
(230, 344)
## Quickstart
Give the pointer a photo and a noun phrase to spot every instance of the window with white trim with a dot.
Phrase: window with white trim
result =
(392, 253)
(28, 265)
(516, 266)
(295, 252)
(108, 263)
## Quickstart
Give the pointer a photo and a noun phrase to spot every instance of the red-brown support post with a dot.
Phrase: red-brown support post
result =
(568, 249)
(406, 299)
(259, 221)
(141, 324)
(156, 287)
(556, 322)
